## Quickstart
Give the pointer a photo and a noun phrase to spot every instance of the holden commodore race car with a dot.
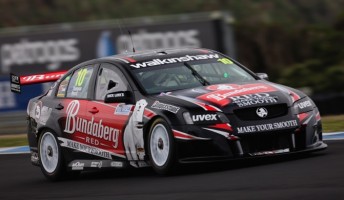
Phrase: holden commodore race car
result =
(160, 108)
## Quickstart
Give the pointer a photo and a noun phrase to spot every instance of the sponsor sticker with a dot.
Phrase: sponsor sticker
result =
(116, 164)
(222, 93)
(206, 117)
(41, 113)
(225, 61)
(89, 127)
(223, 87)
(87, 148)
(15, 83)
(78, 166)
(163, 106)
(96, 164)
(122, 109)
(304, 104)
(267, 127)
(254, 99)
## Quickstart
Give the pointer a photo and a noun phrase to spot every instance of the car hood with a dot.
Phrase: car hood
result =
(228, 97)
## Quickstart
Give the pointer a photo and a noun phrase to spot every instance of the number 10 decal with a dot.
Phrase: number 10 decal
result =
(81, 77)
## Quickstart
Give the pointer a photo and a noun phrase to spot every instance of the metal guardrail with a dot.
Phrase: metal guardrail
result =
(13, 123)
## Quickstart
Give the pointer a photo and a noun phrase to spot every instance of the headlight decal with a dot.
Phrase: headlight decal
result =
(303, 116)
(318, 117)
(223, 133)
(184, 136)
(208, 107)
(226, 126)
(295, 97)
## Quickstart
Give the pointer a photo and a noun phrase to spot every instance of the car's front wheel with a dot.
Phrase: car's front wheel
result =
(50, 156)
(161, 147)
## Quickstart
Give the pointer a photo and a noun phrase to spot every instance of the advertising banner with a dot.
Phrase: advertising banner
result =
(60, 47)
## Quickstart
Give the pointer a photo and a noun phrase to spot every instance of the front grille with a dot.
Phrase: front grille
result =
(276, 110)
(265, 142)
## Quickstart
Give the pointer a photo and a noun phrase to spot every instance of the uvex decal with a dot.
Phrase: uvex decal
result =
(206, 117)
(304, 104)
(89, 127)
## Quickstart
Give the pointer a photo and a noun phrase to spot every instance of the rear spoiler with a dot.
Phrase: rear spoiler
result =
(18, 81)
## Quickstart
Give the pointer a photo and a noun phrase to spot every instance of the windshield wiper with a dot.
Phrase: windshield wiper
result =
(197, 75)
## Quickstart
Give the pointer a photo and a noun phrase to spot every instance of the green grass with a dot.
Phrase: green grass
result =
(13, 140)
(333, 123)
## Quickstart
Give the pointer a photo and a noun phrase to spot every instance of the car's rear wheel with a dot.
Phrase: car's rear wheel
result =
(161, 149)
(50, 157)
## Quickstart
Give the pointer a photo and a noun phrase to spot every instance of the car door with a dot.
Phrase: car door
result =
(72, 97)
(109, 119)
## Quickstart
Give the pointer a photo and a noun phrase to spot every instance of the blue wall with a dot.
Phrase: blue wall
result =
(10, 101)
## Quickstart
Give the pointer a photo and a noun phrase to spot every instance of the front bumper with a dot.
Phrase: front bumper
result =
(216, 147)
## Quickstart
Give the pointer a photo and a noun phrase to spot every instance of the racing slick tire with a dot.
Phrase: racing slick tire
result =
(161, 147)
(50, 157)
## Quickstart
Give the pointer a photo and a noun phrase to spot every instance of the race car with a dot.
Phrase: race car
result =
(161, 108)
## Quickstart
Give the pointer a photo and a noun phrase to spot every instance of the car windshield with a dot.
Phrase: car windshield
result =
(171, 77)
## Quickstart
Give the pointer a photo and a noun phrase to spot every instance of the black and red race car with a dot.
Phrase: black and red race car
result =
(160, 108)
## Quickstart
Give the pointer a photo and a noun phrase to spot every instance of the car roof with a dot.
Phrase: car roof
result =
(126, 58)
(130, 57)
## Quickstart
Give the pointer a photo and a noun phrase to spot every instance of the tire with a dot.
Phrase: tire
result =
(50, 157)
(161, 147)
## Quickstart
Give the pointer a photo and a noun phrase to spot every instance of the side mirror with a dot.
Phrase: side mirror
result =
(263, 76)
(119, 97)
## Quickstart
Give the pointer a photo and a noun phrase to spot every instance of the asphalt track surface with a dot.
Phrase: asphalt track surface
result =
(319, 175)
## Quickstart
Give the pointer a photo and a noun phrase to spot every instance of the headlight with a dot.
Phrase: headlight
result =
(304, 105)
(205, 118)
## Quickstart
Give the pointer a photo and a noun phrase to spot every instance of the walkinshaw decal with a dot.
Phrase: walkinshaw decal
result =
(156, 62)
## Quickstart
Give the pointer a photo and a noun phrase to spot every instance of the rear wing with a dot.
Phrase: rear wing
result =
(18, 81)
